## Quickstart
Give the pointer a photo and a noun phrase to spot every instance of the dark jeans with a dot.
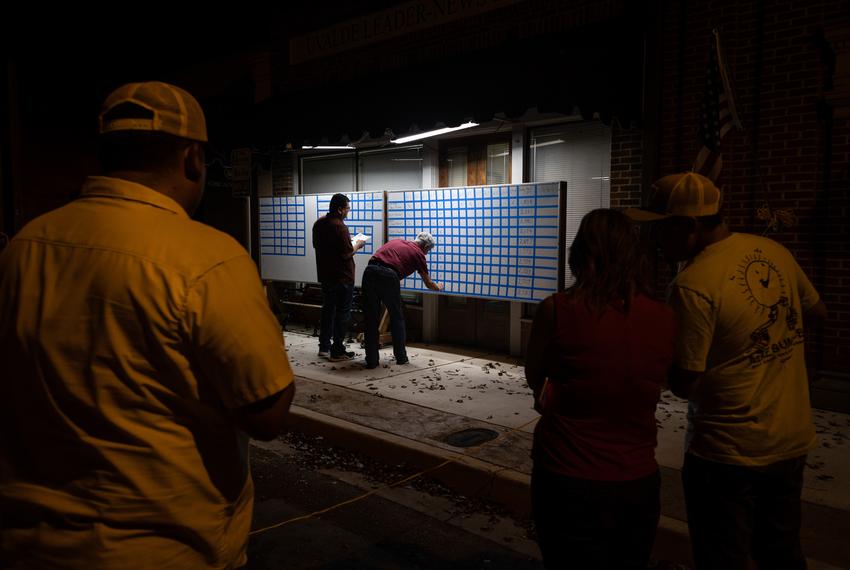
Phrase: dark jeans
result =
(587, 524)
(382, 285)
(735, 510)
(336, 314)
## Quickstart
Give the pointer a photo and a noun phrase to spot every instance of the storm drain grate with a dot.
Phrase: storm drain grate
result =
(470, 437)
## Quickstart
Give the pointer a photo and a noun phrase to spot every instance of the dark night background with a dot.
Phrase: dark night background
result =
(639, 66)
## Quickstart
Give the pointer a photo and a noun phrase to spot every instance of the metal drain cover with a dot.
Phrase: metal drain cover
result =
(470, 437)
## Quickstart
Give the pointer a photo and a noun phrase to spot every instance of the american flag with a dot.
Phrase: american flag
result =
(718, 113)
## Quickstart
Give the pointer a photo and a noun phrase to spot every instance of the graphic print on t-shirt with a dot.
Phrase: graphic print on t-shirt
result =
(767, 293)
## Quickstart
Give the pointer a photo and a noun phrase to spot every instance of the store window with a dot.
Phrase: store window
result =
(475, 161)
(456, 164)
(397, 169)
(326, 174)
(580, 154)
(498, 163)
(365, 171)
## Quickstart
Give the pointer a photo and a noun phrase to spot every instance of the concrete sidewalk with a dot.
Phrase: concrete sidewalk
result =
(404, 414)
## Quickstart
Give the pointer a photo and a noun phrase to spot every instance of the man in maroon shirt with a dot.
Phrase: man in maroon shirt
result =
(335, 266)
(393, 261)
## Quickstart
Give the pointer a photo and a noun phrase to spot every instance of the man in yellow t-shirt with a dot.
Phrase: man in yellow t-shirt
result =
(740, 302)
(137, 351)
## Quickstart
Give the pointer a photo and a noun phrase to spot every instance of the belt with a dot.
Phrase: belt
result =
(380, 263)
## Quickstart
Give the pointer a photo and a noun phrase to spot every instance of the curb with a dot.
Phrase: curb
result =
(467, 475)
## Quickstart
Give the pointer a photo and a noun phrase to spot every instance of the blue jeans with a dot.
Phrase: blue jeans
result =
(382, 285)
(336, 314)
(735, 511)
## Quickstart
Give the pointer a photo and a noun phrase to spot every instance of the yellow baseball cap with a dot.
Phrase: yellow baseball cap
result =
(684, 194)
(172, 110)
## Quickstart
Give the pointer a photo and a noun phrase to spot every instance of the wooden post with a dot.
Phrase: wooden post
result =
(385, 337)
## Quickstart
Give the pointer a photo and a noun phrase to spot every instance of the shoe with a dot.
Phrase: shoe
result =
(324, 353)
(403, 361)
(369, 366)
(341, 357)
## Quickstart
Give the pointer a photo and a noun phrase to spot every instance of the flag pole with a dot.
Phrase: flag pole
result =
(727, 84)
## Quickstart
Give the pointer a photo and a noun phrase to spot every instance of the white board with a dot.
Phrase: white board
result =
(286, 233)
(493, 242)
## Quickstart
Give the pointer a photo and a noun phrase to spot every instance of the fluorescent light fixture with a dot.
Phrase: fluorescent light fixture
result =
(427, 134)
(327, 147)
(546, 143)
(600, 178)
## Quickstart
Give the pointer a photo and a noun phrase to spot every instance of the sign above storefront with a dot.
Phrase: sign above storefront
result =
(379, 26)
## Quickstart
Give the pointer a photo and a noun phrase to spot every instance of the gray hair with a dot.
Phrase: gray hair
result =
(426, 241)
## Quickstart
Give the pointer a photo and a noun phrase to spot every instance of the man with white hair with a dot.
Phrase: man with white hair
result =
(393, 261)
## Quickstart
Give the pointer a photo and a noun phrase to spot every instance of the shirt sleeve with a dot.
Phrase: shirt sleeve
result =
(236, 342)
(317, 235)
(423, 265)
(695, 323)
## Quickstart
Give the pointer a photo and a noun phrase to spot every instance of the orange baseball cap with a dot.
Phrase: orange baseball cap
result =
(173, 111)
(684, 194)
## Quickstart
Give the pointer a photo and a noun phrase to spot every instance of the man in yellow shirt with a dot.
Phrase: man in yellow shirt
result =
(741, 302)
(137, 351)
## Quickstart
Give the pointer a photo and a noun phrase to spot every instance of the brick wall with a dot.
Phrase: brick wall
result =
(626, 166)
(831, 257)
(789, 155)
(283, 166)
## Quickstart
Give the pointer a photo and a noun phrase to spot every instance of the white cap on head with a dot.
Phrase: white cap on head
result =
(426, 241)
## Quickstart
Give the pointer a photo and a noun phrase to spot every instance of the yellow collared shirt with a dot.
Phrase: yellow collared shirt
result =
(128, 333)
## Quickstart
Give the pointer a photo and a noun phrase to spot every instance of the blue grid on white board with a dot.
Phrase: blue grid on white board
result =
(283, 226)
(369, 247)
(509, 233)
(365, 207)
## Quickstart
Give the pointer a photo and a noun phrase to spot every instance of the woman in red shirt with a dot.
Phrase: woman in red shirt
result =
(597, 360)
